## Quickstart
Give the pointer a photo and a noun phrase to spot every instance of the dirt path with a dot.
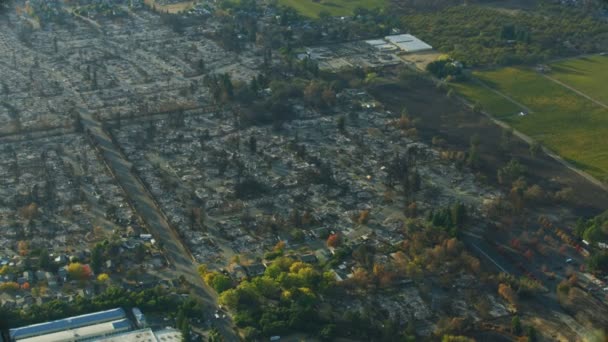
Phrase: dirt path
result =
(505, 96)
(597, 102)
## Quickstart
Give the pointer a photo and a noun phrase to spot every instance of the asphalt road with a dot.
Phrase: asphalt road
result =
(141, 200)
(547, 302)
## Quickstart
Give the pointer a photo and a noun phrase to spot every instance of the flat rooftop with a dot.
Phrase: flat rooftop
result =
(143, 335)
(66, 324)
(168, 335)
(408, 43)
(82, 333)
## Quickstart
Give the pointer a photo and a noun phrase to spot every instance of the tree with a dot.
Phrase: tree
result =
(328, 96)
(535, 148)
(103, 278)
(253, 144)
(341, 124)
(97, 258)
(215, 336)
(29, 212)
(185, 331)
(363, 217)
(473, 155)
(23, 247)
(516, 325)
(510, 172)
(44, 261)
(219, 282)
(78, 271)
(531, 334)
(506, 139)
(598, 262)
(328, 332)
(333, 240)
(453, 338)
(507, 293)
(9, 286)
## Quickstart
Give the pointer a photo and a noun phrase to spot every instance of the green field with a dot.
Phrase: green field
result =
(491, 102)
(588, 75)
(562, 120)
(312, 9)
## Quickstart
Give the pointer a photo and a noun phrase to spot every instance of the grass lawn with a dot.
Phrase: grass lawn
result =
(587, 74)
(562, 120)
(312, 8)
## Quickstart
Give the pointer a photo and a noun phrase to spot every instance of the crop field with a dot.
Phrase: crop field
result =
(588, 74)
(491, 102)
(311, 8)
(561, 119)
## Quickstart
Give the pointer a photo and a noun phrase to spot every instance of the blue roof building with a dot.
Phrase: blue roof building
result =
(66, 324)
(140, 319)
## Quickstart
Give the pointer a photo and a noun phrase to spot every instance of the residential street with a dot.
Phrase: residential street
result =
(177, 254)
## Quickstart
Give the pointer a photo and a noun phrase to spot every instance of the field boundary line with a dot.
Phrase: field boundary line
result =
(576, 91)
(503, 95)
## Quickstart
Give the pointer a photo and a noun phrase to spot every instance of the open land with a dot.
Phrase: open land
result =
(558, 117)
(312, 8)
(586, 74)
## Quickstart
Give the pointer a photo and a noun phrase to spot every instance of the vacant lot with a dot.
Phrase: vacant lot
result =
(561, 119)
(588, 74)
(311, 8)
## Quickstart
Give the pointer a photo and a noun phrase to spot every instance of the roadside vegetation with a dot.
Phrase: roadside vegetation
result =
(154, 300)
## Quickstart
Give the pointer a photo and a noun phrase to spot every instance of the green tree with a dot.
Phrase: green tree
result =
(473, 155)
(97, 258)
(328, 332)
(531, 334)
(221, 283)
(215, 336)
(598, 262)
(510, 172)
(341, 124)
(44, 261)
(516, 325)
(535, 148)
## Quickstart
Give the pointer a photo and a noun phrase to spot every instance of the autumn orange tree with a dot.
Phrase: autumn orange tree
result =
(333, 240)
(23, 247)
(506, 291)
(78, 271)
(9, 286)
(29, 212)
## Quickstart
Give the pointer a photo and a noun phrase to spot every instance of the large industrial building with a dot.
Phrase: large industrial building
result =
(78, 328)
(404, 42)
(145, 335)
(105, 326)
